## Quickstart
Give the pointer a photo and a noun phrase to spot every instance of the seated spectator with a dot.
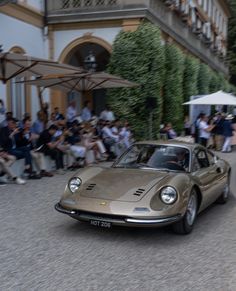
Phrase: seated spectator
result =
(39, 125)
(109, 139)
(28, 139)
(169, 131)
(126, 135)
(107, 114)
(91, 142)
(6, 161)
(58, 115)
(2, 111)
(86, 113)
(71, 112)
(48, 145)
(52, 120)
(8, 115)
(8, 137)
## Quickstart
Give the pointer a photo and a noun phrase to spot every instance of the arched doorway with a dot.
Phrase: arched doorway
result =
(75, 54)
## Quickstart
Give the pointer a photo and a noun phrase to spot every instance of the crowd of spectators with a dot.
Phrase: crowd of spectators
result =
(72, 141)
(215, 132)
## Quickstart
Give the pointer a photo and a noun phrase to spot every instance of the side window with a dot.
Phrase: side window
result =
(202, 158)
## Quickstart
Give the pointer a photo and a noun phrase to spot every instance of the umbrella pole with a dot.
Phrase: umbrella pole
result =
(40, 97)
(45, 115)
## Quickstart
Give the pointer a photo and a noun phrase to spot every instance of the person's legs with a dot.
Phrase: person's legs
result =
(5, 168)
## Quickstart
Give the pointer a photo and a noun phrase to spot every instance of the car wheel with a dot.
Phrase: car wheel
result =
(185, 225)
(225, 195)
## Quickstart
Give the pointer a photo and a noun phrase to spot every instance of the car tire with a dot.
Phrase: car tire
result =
(185, 225)
(225, 195)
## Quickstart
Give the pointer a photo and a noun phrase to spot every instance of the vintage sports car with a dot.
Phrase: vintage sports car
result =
(151, 184)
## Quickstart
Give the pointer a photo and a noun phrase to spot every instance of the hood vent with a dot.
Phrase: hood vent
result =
(139, 192)
(90, 186)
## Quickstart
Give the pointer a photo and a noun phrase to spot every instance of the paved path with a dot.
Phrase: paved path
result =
(41, 249)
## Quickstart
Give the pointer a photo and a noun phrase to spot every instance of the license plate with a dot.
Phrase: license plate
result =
(100, 223)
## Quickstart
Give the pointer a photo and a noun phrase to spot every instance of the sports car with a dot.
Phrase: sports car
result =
(151, 184)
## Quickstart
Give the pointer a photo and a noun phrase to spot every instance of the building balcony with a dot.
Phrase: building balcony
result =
(158, 12)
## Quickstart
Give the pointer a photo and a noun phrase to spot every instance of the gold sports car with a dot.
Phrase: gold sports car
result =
(151, 184)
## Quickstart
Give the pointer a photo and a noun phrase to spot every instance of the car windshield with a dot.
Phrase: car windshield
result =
(162, 157)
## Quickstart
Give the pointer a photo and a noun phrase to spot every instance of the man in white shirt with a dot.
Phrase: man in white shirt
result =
(205, 130)
(107, 114)
(109, 139)
(71, 112)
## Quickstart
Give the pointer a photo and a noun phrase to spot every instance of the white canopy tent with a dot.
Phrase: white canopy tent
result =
(217, 98)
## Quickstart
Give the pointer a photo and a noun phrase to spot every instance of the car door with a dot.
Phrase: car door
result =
(206, 173)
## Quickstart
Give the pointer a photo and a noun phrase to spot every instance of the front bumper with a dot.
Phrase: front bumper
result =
(117, 219)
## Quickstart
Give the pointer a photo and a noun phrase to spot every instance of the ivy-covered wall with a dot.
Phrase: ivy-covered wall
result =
(163, 72)
(138, 56)
(173, 86)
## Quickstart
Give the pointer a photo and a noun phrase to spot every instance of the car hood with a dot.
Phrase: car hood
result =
(128, 185)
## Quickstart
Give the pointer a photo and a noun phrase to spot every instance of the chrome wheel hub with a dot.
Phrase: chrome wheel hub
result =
(191, 210)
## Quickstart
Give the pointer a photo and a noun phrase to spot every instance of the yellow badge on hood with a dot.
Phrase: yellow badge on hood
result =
(103, 203)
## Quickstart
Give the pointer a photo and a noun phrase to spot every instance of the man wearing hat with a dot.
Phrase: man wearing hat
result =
(227, 133)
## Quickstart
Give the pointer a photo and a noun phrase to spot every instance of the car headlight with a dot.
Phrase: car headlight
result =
(74, 184)
(168, 195)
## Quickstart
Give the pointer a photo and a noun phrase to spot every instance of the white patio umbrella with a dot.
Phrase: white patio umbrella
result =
(217, 98)
(17, 65)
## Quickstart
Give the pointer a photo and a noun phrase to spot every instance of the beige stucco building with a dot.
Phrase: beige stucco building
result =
(67, 30)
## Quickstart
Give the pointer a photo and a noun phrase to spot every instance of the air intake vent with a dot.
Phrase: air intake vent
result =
(90, 186)
(139, 192)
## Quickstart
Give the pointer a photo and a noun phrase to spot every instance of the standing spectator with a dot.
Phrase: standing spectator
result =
(204, 130)
(196, 127)
(217, 131)
(227, 133)
(2, 111)
(86, 114)
(187, 126)
(71, 113)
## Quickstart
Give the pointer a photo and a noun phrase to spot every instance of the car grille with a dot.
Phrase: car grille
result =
(139, 192)
(90, 187)
(101, 216)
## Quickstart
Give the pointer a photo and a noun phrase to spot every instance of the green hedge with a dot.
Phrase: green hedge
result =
(138, 56)
(173, 87)
(162, 72)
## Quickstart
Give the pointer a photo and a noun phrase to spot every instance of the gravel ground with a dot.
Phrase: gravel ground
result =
(42, 249)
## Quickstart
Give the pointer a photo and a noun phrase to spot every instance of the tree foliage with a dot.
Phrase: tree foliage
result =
(139, 57)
